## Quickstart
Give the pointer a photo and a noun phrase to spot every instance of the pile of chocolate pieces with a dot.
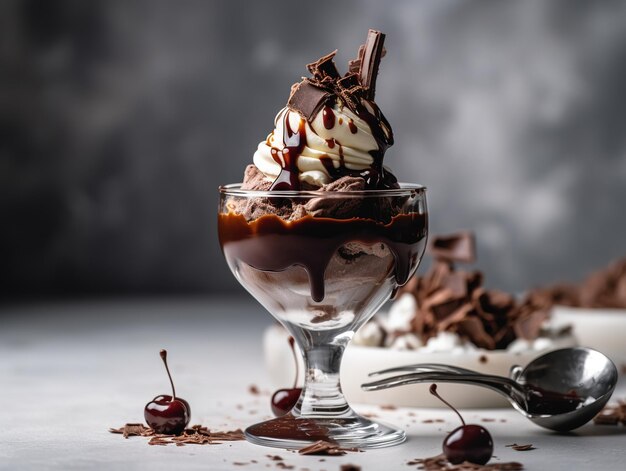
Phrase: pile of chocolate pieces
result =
(605, 288)
(453, 300)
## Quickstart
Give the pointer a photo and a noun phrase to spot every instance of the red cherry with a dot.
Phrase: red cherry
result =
(470, 443)
(167, 414)
(284, 400)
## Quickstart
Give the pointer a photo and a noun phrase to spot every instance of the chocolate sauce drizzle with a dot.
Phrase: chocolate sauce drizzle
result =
(287, 157)
(270, 243)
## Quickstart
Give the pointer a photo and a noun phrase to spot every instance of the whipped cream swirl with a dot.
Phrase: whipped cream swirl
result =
(335, 138)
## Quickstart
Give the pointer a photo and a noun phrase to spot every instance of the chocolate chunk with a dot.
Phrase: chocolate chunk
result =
(456, 283)
(308, 99)
(324, 67)
(454, 248)
(370, 61)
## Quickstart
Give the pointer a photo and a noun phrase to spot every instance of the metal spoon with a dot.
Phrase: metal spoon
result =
(560, 390)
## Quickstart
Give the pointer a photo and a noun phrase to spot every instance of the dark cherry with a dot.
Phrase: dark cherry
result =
(470, 443)
(284, 400)
(167, 414)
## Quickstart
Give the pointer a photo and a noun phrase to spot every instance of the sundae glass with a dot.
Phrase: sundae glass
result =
(321, 234)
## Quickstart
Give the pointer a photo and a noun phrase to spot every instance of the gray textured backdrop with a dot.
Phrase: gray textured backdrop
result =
(119, 119)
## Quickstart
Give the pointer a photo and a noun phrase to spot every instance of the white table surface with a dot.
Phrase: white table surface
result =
(69, 371)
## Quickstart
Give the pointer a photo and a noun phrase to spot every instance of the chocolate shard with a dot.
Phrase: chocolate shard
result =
(459, 247)
(307, 99)
(324, 67)
(370, 61)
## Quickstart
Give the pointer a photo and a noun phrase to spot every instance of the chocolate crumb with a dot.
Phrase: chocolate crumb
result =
(275, 457)
(254, 390)
(350, 467)
(388, 407)
(282, 465)
(517, 447)
(487, 420)
(483, 359)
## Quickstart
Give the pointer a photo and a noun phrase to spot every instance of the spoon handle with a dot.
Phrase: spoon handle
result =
(504, 386)
(425, 368)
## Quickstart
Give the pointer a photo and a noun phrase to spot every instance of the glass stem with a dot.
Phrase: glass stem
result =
(321, 395)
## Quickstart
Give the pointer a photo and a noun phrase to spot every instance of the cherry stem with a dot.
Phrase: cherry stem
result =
(433, 391)
(163, 354)
(295, 359)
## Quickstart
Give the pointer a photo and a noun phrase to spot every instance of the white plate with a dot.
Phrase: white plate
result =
(601, 329)
(359, 361)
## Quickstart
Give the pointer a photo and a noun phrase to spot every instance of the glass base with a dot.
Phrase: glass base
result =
(347, 431)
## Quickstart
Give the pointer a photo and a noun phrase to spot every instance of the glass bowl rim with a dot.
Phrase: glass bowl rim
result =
(406, 189)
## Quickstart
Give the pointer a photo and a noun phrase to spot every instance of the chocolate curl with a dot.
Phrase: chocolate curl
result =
(368, 61)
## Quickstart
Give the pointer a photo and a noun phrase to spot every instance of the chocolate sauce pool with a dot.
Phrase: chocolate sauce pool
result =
(270, 243)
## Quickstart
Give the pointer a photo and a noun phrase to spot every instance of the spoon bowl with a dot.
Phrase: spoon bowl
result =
(561, 390)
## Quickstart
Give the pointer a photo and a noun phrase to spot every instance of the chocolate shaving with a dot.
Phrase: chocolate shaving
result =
(197, 435)
(131, 430)
(517, 447)
(441, 463)
(322, 447)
